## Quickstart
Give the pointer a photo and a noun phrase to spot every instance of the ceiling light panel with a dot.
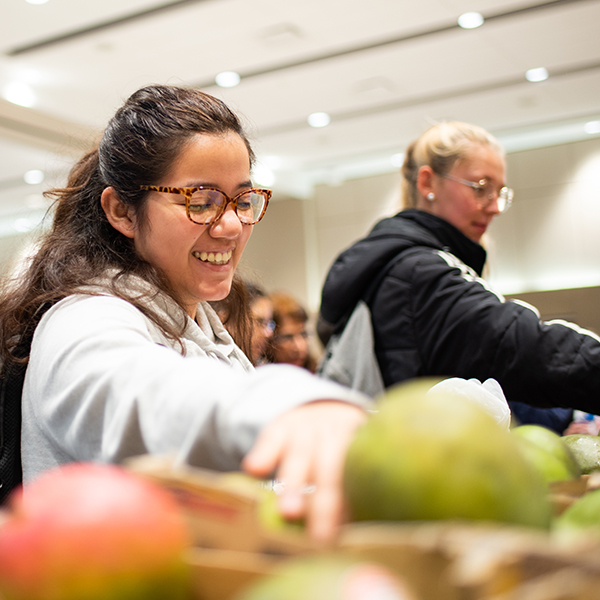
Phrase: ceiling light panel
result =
(470, 20)
(536, 74)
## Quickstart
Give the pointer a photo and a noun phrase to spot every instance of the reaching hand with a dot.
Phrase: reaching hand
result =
(304, 447)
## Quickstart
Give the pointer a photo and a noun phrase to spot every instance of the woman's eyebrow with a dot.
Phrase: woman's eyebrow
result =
(245, 184)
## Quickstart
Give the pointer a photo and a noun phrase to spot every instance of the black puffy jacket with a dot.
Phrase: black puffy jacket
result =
(434, 315)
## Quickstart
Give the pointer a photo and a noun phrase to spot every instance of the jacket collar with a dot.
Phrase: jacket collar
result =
(451, 239)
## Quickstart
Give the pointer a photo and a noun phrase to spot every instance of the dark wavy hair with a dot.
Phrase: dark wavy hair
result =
(139, 146)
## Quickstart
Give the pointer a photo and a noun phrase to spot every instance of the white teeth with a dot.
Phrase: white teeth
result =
(218, 258)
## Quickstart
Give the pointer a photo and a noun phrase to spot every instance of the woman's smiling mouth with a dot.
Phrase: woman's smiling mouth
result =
(215, 258)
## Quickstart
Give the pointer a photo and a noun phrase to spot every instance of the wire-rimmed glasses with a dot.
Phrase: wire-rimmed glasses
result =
(288, 338)
(265, 324)
(205, 205)
(485, 192)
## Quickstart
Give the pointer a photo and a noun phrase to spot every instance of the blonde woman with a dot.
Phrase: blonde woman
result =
(433, 314)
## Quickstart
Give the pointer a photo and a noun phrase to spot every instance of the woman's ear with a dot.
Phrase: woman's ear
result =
(117, 212)
(425, 179)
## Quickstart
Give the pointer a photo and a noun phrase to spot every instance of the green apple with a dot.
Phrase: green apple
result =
(263, 491)
(547, 453)
(429, 457)
(585, 449)
(271, 518)
(582, 518)
(329, 577)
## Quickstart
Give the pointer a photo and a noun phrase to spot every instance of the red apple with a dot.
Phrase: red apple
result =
(86, 531)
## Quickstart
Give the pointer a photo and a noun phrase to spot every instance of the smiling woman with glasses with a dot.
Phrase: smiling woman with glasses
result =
(432, 313)
(129, 357)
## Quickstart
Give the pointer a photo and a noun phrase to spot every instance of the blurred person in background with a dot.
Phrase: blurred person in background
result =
(432, 313)
(290, 342)
(263, 324)
(583, 423)
(257, 302)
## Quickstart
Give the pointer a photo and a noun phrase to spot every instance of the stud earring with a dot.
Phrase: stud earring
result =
(431, 196)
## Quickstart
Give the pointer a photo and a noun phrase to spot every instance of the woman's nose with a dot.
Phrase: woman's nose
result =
(228, 225)
(300, 342)
(492, 205)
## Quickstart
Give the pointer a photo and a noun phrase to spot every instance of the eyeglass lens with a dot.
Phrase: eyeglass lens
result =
(265, 324)
(485, 192)
(286, 338)
(206, 205)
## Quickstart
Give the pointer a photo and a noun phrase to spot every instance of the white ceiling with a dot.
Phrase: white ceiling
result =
(382, 69)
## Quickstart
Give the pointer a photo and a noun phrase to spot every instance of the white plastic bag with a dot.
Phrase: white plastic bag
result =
(488, 394)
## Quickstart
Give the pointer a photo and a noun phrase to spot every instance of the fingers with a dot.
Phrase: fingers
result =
(285, 448)
(326, 504)
(307, 446)
(266, 453)
(295, 472)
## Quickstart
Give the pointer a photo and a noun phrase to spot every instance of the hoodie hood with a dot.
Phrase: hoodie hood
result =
(357, 267)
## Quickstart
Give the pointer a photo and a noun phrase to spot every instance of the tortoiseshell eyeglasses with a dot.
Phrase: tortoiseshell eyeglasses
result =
(206, 205)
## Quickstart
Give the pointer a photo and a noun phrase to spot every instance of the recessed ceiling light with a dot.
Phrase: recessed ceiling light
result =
(37, 1)
(263, 175)
(538, 74)
(592, 127)
(397, 159)
(34, 176)
(19, 93)
(470, 20)
(319, 119)
(227, 79)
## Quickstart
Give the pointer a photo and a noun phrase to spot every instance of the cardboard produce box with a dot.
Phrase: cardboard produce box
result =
(222, 508)
(442, 560)
(449, 560)
(564, 493)
(220, 574)
(232, 546)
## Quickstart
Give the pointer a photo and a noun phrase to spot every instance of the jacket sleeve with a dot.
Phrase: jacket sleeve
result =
(434, 316)
(556, 419)
(99, 388)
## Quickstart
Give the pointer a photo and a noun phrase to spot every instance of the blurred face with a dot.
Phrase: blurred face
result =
(198, 260)
(457, 203)
(290, 344)
(262, 318)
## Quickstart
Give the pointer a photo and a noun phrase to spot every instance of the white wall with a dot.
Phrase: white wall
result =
(550, 237)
